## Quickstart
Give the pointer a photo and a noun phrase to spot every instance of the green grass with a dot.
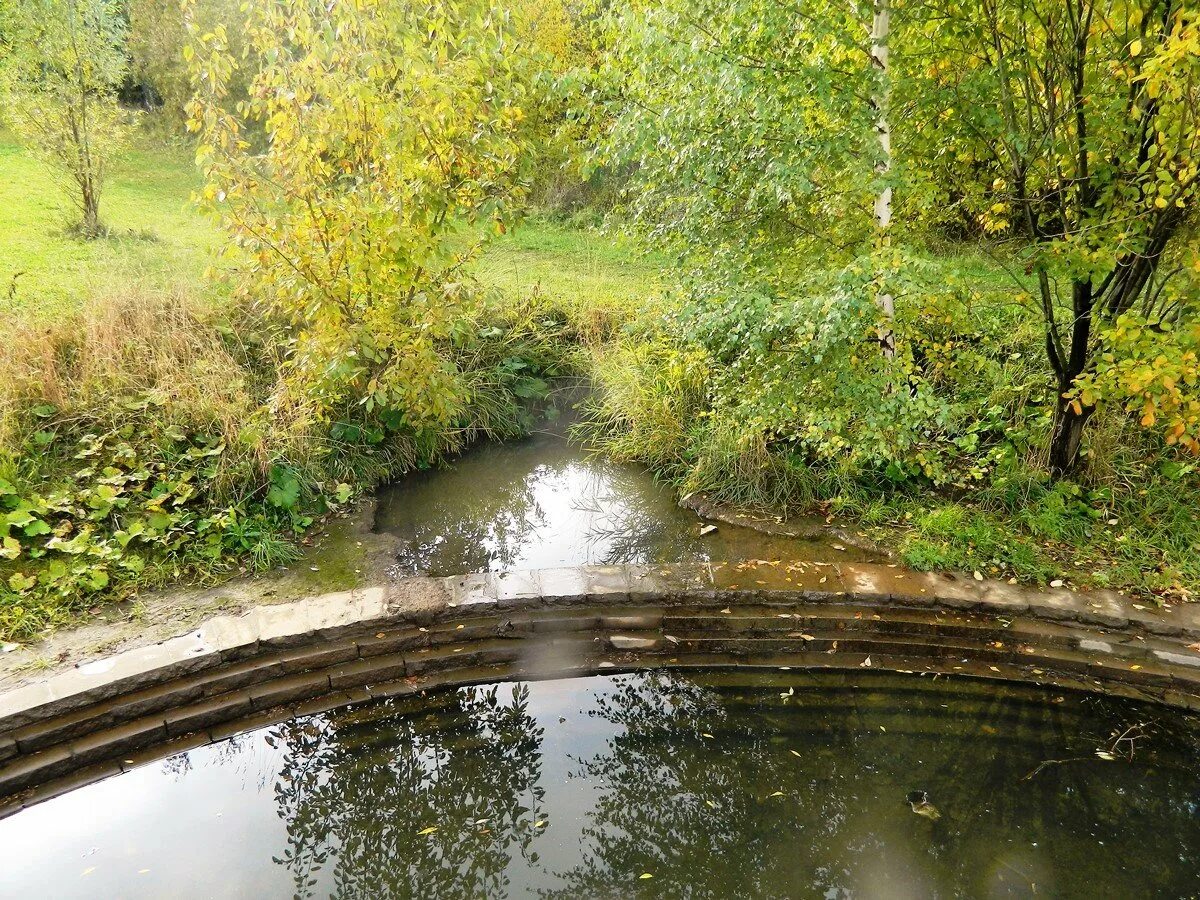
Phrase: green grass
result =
(155, 237)
(1029, 529)
(585, 266)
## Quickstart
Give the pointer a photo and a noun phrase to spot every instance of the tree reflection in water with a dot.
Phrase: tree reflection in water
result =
(736, 783)
(357, 789)
(753, 792)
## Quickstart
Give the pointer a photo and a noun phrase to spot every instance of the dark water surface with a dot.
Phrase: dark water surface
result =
(544, 502)
(725, 783)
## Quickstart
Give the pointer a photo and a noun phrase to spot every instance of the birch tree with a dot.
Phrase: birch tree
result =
(880, 34)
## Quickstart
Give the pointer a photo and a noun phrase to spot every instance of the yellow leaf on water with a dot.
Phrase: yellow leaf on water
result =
(430, 830)
(645, 875)
(88, 871)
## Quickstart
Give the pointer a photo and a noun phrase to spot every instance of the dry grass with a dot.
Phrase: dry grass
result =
(142, 344)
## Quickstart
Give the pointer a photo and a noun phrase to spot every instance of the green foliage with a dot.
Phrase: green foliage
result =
(388, 131)
(61, 62)
(1068, 129)
(749, 129)
(1074, 126)
(160, 461)
(143, 503)
(157, 36)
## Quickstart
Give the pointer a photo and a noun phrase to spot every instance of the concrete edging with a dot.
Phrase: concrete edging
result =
(272, 662)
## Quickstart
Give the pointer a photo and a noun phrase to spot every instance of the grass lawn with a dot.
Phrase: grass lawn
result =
(158, 238)
(586, 267)
(155, 237)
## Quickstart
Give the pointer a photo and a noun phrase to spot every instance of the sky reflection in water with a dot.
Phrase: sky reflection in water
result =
(542, 503)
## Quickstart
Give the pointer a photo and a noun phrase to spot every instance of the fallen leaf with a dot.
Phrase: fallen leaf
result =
(645, 875)
(430, 830)
(919, 801)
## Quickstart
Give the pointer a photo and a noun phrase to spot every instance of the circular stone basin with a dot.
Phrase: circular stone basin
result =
(708, 782)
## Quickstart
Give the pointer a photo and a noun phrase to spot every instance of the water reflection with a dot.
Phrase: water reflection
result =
(440, 804)
(542, 502)
(718, 784)
(732, 792)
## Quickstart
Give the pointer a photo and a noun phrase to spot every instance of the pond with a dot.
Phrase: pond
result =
(545, 502)
(715, 783)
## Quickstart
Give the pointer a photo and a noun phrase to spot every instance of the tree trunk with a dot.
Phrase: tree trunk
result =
(883, 201)
(91, 209)
(1066, 437)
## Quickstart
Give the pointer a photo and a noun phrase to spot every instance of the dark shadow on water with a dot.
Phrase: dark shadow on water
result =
(448, 800)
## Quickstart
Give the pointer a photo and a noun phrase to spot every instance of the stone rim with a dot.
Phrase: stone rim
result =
(270, 663)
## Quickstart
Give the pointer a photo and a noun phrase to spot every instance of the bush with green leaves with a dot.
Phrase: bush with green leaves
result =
(61, 63)
(137, 444)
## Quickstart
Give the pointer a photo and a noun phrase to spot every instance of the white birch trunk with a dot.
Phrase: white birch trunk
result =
(883, 200)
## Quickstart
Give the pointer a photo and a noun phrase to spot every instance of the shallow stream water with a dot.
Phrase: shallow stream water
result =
(545, 502)
(722, 784)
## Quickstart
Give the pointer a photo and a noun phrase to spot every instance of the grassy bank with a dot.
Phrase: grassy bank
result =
(155, 240)
(146, 433)
(722, 404)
